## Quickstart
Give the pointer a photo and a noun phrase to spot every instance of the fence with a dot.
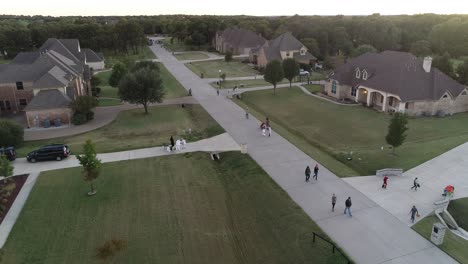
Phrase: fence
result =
(334, 247)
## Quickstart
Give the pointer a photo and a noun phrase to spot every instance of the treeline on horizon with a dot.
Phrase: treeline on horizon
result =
(425, 34)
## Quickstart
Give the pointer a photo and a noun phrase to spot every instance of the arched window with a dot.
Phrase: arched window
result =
(364, 75)
(358, 73)
(333, 89)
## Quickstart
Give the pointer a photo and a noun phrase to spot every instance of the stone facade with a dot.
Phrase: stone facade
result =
(37, 118)
(13, 100)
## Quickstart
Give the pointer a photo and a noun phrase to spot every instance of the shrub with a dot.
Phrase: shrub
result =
(110, 248)
(90, 115)
(79, 119)
(228, 56)
(83, 104)
(11, 134)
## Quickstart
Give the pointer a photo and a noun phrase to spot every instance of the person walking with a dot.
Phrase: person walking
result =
(217, 91)
(415, 184)
(269, 131)
(247, 113)
(348, 204)
(385, 179)
(307, 173)
(316, 169)
(172, 143)
(333, 202)
(414, 212)
(267, 122)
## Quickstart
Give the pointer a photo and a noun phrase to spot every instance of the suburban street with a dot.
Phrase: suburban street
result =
(372, 235)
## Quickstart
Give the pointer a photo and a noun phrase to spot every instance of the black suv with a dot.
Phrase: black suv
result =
(9, 152)
(49, 152)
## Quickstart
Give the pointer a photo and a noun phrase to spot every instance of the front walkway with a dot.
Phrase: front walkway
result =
(102, 116)
(219, 143)
(372, 235)
(450, 168)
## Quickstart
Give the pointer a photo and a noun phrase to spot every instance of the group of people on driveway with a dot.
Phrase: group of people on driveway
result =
(414, 211)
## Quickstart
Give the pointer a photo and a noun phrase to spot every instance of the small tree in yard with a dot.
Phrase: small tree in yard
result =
(6, 169)
(11, 134)
(228, 56)
(290, 69)
(274, 73)
(142, 86)
(82, 107)
(396, 130)
(91, 164)
(8, 184)
(118, 71)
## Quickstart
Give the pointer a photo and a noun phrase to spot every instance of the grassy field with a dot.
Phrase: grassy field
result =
(191, 56)
(314, 88)
(109, 102)
(4, 61)
(337, 130)
(232, 69)
(144, 53)
(132, 130)
(459, 210)
(173, 88)
(453, 245)
(174, 209)
(229, 84)
(181, 46)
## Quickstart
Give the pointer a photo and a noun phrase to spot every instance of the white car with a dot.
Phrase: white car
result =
(303, 73)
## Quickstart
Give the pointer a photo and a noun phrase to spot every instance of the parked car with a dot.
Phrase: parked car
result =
(49, 152)
(9, 152)
(303, 72)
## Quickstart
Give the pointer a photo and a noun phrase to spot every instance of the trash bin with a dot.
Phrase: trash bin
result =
(46, 123)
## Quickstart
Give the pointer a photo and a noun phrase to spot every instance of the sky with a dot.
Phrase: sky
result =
(231, 7)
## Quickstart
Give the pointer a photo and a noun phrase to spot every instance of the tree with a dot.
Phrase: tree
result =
(83, 104)
(198, 39)
(95, 82)
(462, 72)
(142, 86)
(223, 76)
(396, 130)
(274, 73)
(118, 71)
(11, 134)
(421, 48)
(362, 49)
(290, 69)
(91, 165)
(6, 169)
(228, 56)
(443, 64)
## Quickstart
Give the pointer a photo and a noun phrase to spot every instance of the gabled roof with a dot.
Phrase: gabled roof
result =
(48, 99)
(91, 56)
(306, 57)
(285, 42)
(399, 73)
(241, 38)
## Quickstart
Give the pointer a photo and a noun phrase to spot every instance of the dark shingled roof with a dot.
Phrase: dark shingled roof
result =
(399, 73)
(306, 57)
(285, 42)
(91, 56)
(48, 99)
(241, 38)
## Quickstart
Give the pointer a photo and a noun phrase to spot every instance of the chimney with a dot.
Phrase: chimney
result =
(427, 64)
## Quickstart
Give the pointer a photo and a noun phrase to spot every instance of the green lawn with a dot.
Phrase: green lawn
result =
(337, 130)
(459, 210)
(132, 130)
(173, 88)
(247, 83)
(453, 245)
(4, 61)
(109, 102)
(191, 56)
(314, 88)
(144, 53)
(181, 46)
(232, 69)
(174, 209)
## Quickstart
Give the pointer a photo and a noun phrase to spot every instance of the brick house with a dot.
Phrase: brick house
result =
(398, 81)
(237, 40)
(283, 47)
(43, 83)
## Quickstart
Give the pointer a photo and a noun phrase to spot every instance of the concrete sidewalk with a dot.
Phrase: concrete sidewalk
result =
(372, 235)
(221, 143)
(450, 168)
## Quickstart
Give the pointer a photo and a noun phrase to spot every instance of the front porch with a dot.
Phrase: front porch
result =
(384, 102)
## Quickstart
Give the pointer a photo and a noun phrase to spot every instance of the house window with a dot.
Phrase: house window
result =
(381, 99)
(364, 75)
(303, 52)
(287, 54)
(445, 96)
(333, 89)
(358, 74)
(2, 106)
(353, 91)
(409, 105)
(7, 105)
(23, 102)
(19, 86)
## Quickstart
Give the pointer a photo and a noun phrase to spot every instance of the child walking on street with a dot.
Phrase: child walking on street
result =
(385, 179)
(333, 202)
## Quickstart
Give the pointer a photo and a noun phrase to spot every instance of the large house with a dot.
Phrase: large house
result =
(43, 83)
(237, 40)
(283, 47)
(398, 81)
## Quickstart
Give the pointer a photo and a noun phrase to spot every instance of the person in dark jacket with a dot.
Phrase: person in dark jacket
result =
(333, 202)
(414, 212)
(316, 169)
(172, 143)
(415, 184)
(348, 206)
(307, 173)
